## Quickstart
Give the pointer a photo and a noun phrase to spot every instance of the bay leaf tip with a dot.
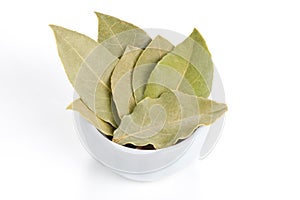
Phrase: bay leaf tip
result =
(98, 13)
(159, 37)
(70, 106)
(197, 37)
(57, 29)
(102, 15)
(54, 27)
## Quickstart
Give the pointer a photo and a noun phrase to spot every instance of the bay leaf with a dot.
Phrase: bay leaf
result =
(187, 68)
(115, 112)
(121, 81)
(156, 49)
(90, 116)
(72, 48)
(162, 121)
(116, 34)
(89, 66)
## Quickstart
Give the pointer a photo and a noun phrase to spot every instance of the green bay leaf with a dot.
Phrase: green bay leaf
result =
(115, 112)
(121, 81)
(187, 68)
(90, 116)
(89, 66)
(163, 121)
(72, 48)
(116, 34)
(156, 49)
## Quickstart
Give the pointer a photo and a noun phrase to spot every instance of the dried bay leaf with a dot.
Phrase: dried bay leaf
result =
(115, 112)
(121, 81)
(90, 116)
(162, 121)
(115, 73)
(156, 49)
(116, 34)
(187, 68)
(88, 65)
(72, 47)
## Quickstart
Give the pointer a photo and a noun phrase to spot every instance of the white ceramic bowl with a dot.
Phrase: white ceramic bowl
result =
(139, 165)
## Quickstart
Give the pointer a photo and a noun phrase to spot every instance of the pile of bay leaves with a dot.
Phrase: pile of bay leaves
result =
(137, 90)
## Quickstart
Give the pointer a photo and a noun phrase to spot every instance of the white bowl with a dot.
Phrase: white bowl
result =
(139, 165)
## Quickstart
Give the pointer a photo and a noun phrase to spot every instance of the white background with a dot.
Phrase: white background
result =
(256, 47)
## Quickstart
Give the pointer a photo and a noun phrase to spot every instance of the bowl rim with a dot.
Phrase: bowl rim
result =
(189, 139)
